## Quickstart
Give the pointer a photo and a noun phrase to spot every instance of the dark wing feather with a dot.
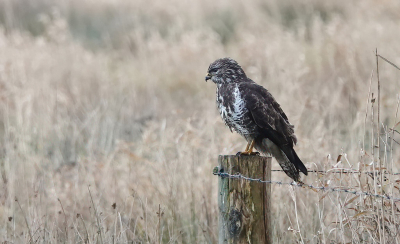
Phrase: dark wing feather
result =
(268, 115)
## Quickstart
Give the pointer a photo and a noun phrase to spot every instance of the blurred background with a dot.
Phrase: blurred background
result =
(110, 134)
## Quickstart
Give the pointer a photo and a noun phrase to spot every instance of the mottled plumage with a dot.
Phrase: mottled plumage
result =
(250, 110)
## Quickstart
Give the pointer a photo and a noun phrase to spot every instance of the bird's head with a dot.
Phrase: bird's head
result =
(224, 71)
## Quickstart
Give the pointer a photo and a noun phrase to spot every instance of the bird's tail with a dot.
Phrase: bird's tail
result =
(298, 163)
(284, 153)
(285, 156)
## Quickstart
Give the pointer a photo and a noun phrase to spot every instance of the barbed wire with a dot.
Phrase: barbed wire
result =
(343, 171)
(303, 185)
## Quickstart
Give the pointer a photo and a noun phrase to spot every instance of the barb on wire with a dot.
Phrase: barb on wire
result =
(303, 185)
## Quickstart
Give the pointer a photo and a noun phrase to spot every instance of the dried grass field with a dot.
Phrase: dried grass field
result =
(109, 133)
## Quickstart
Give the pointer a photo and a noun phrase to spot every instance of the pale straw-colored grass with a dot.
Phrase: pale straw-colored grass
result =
(110, 96)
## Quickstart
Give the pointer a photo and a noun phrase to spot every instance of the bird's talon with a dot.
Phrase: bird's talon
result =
(247, 153)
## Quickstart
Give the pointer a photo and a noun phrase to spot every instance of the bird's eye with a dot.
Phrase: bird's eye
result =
(213, 70)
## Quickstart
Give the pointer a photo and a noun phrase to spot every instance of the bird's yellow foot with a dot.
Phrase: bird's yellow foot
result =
(249, 150)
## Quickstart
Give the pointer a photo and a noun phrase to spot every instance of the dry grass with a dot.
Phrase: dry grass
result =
(109, 133)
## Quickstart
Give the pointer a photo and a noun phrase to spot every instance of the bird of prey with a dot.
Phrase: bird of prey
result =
(252, 111)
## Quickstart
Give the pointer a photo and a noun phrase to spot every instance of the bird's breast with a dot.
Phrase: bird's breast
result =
(232, 107)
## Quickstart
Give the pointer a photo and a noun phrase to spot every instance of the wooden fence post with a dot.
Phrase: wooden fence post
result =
(244, 206)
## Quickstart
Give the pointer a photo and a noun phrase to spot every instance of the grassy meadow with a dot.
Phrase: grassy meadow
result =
(109, 133)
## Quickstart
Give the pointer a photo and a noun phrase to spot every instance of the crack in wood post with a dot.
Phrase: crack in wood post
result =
(244, 206)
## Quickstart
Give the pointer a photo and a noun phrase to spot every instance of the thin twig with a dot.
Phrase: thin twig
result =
(97, 217)
(26, 221)
(84, 226)
(391, 152)
(395, 130)
(295, 211)
(65, 219)
(159, 223)
(388, 61)
(78, 233)
(379, 140)
(366, 107)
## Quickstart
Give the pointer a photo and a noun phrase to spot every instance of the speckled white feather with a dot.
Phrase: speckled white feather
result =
(238, 105)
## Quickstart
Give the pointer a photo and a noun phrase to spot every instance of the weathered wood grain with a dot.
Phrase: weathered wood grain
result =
(244, 206)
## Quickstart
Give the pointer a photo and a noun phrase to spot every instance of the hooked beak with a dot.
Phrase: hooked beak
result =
(208, 76)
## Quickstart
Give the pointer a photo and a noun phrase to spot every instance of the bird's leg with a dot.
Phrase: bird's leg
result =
(245, 150)
(249, 149)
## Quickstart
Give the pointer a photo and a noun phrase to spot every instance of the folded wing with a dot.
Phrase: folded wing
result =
(273, 122)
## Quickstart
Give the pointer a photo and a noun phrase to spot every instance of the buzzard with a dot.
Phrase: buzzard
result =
(252, 111)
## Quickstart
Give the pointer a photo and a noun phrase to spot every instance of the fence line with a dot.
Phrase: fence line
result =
(303, 185)
(344, 171)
